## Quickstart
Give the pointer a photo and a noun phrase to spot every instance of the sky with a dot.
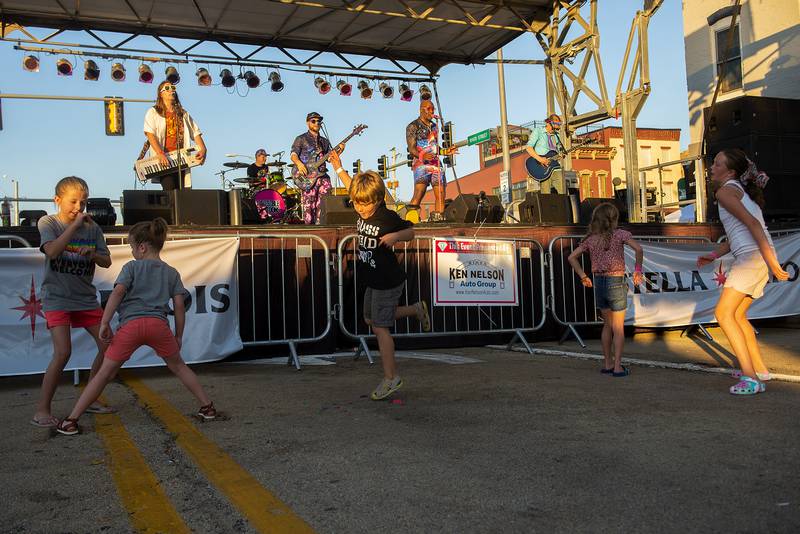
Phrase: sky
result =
(43, 141)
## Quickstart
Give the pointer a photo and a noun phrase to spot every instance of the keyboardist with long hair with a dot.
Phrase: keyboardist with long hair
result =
(169, 127)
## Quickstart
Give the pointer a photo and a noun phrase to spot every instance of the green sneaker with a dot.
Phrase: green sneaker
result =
(386, 388)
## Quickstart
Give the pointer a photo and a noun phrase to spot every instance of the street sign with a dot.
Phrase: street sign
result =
(480, 137)
(505, 188)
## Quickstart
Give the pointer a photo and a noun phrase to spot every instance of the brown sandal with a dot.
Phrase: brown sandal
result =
(207, 412)
(68, 427)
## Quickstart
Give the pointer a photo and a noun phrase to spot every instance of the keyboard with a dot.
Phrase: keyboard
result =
(152, 169)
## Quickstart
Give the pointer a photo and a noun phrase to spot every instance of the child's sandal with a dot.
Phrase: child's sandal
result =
(207, 412)
(748, 386)
(68, 427)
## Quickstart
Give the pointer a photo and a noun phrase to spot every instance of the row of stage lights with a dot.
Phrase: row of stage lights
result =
(228, 79)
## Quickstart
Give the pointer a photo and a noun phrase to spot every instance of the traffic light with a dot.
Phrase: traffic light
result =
(383, 167)
(356, 167)
(114, 117)
(447, 135)
(409, 159)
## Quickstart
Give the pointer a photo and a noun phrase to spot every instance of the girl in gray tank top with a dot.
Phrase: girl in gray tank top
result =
(738, 191)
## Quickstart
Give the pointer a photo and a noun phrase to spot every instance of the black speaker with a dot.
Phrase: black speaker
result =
(31, 217)
(138, 206)
(101, 211)
(471, 208)
(207, 207)
(546, 208)
(337, 210)
(588, 205)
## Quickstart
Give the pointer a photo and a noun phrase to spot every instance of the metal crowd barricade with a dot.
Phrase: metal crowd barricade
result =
(15, 239)
(570, 303)
(783, 232)
(416, 259)
(284, 287)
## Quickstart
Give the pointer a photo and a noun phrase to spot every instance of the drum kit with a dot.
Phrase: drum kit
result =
(274, 200)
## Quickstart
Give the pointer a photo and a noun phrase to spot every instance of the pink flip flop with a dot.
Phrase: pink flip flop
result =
(47, 422)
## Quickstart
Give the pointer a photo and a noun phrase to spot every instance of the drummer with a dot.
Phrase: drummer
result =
(259, 171)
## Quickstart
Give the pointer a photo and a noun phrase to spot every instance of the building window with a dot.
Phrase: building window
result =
(665, 157)
(732, 66)
(602, 189)
(645, 156)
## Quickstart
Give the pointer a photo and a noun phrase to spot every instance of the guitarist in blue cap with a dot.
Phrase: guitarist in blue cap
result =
(306, 148)
(543, 144)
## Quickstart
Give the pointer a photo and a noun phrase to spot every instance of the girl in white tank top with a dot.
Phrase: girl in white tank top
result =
(738, 195)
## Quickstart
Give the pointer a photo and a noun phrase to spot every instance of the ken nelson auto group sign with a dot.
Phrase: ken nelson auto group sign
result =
(474, 271)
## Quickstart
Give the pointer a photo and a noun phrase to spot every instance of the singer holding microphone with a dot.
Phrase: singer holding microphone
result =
(422, 138)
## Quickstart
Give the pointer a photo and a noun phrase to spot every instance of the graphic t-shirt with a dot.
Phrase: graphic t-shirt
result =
(377, 264)
(607, 256)
(150, 285)
(67, 283)
(254, 171)
(309, 147)
(171, 140)
(425, 138)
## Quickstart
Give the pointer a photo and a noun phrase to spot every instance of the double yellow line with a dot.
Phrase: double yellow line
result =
(150, 509)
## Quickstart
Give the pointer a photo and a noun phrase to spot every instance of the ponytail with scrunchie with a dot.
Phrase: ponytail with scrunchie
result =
(752, 174)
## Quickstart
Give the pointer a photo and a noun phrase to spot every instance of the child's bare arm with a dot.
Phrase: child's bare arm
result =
(101, 260)
(576, 266)
(637, 249)
(112, 304)
(180, 316)
(393, 237)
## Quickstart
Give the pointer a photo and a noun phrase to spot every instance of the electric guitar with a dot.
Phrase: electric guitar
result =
(541, 172)
(308, 181)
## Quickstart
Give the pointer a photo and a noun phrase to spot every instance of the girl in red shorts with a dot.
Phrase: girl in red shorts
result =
(141, 294)
(73, 244)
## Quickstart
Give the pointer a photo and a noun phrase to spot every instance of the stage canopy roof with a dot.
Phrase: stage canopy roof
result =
(429, 33)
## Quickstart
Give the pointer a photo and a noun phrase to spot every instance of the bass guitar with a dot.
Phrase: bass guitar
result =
(541, 172)
(308, 181)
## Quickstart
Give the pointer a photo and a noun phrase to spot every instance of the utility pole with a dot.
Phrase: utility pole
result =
(394, 162)
(505, 176)
(16, 202)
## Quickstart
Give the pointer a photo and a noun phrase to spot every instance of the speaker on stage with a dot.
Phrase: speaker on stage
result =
(589, 204)
(547, 208)
(471, 208)
(141, 205)
(337, 210)
(207, 207)
(101, 211)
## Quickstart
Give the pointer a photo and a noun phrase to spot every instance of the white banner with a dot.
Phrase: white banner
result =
(474, 271)
(208, 272)
(678, 293)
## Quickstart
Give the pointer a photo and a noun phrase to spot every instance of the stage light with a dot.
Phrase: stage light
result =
(64, 67)
(345, 89)
(227, 78)
(31, 63)
(203, 77)
(365, 90)
(322, 85)
(90, 70)
(251, 79)
(275, 82)
(386, 90)
(173, 76)
(424, 92)
(145, 74)
(406, 93)
(118, 72)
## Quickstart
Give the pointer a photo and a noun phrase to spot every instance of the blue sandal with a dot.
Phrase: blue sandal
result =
(624, 372)
(748, 386)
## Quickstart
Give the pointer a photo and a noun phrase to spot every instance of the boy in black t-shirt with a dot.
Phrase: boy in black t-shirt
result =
(378, 230)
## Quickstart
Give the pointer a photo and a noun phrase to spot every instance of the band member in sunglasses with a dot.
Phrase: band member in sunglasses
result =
(169, 127)
(308, 147)
(544, 139)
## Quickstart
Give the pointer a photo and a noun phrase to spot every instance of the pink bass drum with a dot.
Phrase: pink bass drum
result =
(270, 205)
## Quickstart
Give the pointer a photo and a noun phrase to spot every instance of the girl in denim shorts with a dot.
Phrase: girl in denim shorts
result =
(605, 242)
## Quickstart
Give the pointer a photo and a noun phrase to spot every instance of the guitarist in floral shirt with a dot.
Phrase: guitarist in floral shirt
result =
(308, 147)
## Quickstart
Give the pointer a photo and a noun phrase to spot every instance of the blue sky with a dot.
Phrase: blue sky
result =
(42, 141)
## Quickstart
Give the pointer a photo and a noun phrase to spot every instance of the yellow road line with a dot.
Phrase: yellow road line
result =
(264, 510)
(149, 508)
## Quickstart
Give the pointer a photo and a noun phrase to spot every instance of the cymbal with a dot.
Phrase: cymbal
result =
(276, 163)
(247, 180)
(236, 165)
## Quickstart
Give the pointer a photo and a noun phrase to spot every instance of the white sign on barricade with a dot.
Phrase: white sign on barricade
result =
(474, 271)
(208, 272)
(678, 293)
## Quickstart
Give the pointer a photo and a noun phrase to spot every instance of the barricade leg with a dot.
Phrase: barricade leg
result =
(293, 359)
(571, 330)
(518, 334)
(688, 330)
(76, 377)
(363, 347)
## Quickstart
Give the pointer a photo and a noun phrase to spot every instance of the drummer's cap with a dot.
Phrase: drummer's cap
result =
(313, 115)
(261, 152)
